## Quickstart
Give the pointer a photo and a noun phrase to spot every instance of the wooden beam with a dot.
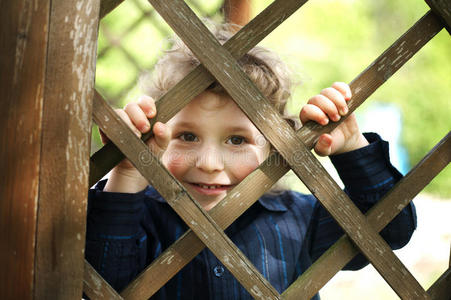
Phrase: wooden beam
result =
(23, 38)
(66, 132)
(237, 11)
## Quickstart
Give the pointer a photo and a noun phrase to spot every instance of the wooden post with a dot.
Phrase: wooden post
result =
(23, 41)
(237, 11)
(47, 61)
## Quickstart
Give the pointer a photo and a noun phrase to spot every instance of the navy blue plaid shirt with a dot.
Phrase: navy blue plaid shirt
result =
(281, 235)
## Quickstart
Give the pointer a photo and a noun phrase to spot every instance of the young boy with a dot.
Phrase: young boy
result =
(210, 146)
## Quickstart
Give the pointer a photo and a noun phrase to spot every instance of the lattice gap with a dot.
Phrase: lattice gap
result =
(206, 229)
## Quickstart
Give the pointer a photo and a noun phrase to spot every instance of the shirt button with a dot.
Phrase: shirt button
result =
(219, 270)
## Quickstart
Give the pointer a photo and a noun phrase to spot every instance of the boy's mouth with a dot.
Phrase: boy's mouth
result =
(210, 189)
(210, 186)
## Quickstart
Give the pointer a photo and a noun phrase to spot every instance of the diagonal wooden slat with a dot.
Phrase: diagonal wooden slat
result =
(96, 287)
(337, 256)
(199, 79)
(442, 8)
(274, 167)
(185, 206)
(441, 289)
(227, 71)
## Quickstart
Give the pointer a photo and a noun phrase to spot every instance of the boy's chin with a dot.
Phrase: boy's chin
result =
(209, 202)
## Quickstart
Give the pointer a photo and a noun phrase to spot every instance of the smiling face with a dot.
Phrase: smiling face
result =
(214, 146)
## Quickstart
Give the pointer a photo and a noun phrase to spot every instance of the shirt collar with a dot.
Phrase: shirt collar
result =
(269, 202)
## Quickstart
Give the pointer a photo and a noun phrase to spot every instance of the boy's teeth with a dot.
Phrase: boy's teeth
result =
(209, 186)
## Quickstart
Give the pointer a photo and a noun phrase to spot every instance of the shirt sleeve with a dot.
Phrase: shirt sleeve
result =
(116, 243)
(367, 175)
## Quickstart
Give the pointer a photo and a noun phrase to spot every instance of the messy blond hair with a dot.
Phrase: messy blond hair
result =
(264, 67)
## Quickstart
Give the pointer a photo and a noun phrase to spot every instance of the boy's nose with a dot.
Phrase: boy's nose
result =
(210, 160)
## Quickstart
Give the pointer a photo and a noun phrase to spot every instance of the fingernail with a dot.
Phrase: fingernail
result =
(324, 142)
(336, 117)
(344, 111)
(324, 121)
(145, 127)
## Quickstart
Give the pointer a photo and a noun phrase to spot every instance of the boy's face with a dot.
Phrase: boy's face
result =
(214, 146)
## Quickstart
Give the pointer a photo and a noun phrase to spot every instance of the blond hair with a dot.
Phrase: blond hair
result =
(263, 66)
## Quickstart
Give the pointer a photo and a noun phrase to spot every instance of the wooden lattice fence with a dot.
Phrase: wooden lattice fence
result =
(56, 44)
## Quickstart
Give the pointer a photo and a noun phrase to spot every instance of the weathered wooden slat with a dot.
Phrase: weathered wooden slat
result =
(97, 289)
(163, 268)
(66, 132)
(442, 8)
(106, 6)
(228, 73)
(441, 289)
(337, 256)
(23, 41)
(390, 61)
(199, 79)
(185, 206)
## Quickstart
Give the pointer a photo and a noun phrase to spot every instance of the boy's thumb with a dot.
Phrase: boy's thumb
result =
(162, 137)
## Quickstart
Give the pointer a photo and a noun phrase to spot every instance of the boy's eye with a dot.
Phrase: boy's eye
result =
(188, 137)
(236, 140)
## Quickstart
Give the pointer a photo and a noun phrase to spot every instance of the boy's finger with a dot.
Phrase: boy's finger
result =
(124, 116)
(336, 97)
(326, 105)
(324, 145)
(312, 112)
(343, 88)
(137, 117)
(147, 105)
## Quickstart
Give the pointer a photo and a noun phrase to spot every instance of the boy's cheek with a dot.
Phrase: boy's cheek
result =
(175, 163)
(244, 165)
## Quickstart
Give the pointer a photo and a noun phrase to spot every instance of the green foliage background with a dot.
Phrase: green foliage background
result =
(323, 42)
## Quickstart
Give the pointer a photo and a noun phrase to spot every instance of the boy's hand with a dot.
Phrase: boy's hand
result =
(136, 115)
(330, 105)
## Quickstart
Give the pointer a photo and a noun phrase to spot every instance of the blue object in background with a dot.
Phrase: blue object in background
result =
(386, 120)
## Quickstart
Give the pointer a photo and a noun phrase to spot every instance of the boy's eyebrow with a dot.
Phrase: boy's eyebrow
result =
(184, 124)
(238, 128)
(234, 127)
(230, 128)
